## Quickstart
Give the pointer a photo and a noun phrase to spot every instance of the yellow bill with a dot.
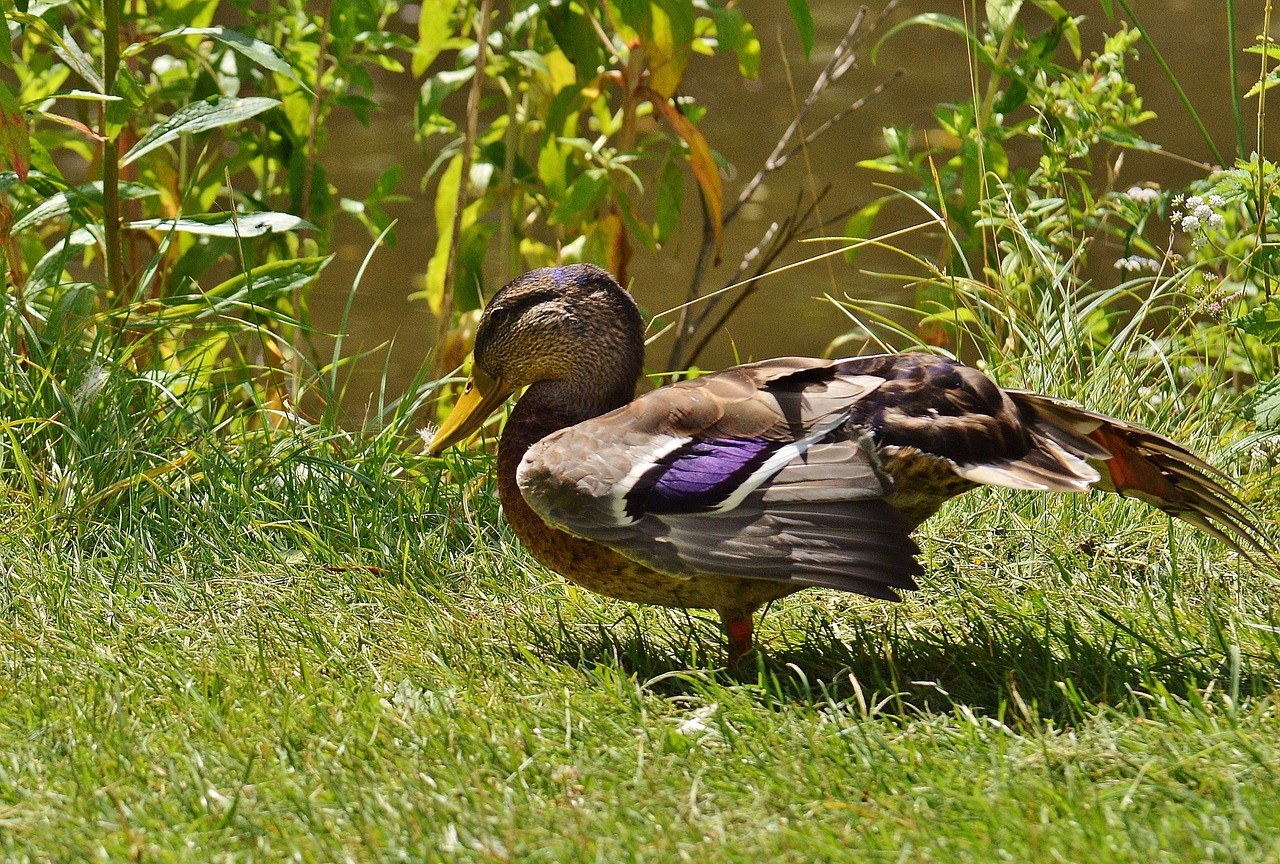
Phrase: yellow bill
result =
(480, 398)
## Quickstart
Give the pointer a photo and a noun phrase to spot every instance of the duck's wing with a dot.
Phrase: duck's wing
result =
(933, 407)
(780, 470)
(1138, 463)
(753, 472)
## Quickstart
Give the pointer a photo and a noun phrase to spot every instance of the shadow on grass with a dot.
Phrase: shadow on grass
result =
(1002, 667)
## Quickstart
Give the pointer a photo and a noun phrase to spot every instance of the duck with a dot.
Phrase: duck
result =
(733, 489)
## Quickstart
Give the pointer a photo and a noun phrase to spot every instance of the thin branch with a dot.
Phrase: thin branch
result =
(468, 148)
(776, 242)
(111, 154)
(843, 113)
(836, 66)
(840, 62)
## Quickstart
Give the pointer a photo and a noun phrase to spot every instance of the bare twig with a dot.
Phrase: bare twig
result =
(778, 236)
(763, 254)
(841, 61)
(844, 112)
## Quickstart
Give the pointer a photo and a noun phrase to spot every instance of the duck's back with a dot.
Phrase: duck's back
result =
(814, 472)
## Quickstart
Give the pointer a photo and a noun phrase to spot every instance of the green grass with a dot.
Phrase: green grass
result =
(220, 642)
(311, 648)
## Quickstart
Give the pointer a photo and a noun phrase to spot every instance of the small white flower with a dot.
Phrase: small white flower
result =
(1194, 201)
(1217, 201)
(1175, 217)
(1135, 263)
(1190, 223)
(1199, 243)
(1142, 195)
(1217, 220)
(1203, 212)
(1177, 200)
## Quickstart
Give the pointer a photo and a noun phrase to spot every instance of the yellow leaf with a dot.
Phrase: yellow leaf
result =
(666, 50)
(446, 201)
(434, 28)
(562, 72)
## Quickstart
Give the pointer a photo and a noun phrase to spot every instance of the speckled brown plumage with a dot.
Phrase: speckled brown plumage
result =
(746, 485)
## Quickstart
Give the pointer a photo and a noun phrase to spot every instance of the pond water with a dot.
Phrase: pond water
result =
(744, 120)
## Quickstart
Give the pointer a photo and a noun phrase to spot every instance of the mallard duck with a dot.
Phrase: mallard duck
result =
(739, 487)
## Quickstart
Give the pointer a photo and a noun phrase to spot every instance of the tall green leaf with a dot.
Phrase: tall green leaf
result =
(199, 117)
(803, 19)
(227, 224)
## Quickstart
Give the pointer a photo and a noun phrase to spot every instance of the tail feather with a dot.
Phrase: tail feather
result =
(1137, 463)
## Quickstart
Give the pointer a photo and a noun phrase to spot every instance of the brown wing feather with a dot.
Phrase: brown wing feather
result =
(1139, 463)
(937, 408)
(780, 399)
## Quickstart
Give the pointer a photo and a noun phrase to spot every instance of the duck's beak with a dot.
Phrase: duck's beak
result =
(480, 398)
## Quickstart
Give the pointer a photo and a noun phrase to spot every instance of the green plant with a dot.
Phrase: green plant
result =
(163, 220)
(1023, 261)
(586, 143)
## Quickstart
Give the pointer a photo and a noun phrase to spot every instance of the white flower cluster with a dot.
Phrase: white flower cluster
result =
(1196, 213)
(1142, 194)
(1137, 263)
(1222, 304)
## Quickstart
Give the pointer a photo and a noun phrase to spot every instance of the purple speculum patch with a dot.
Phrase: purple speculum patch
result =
(699, 475)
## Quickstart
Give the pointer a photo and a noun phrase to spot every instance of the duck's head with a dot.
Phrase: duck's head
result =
(573, 325)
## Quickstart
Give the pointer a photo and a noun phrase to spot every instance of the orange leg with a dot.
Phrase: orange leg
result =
(739, 627)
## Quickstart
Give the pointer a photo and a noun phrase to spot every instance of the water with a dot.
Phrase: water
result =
(744, 121)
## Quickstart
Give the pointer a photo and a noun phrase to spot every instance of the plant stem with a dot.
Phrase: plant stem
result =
(993, 84)
(508, 215)
(1232, 50)
(111, 153)
(1262, 192)
(316, 103)
(294, 364)
(1168, 73)
(468, 146)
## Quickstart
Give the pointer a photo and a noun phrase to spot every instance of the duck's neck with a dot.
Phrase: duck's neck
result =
(546, 407)
(549, 406)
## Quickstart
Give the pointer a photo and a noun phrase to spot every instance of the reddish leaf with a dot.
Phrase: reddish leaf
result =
(15, 138)
(701, 161)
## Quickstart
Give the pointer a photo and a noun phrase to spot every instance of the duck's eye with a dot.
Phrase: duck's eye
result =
(498, 316)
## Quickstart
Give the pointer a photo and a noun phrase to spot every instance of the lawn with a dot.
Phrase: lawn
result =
(237, 624)
(271, 654)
